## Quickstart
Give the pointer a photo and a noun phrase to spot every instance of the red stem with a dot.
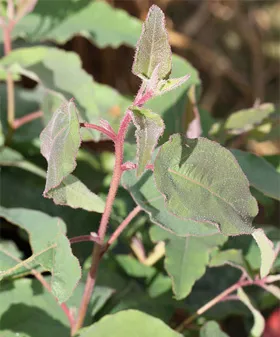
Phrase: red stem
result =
(98, 248)
(123, 225)
(84, 238)
(27, 118)
(106, 132)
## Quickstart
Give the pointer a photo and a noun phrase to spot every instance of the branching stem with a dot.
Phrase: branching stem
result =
(99, 248)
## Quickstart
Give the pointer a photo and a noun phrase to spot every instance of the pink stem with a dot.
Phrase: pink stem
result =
(98, 248)
(27, 118)
(84, 238)
(106, 132)
(123, 225)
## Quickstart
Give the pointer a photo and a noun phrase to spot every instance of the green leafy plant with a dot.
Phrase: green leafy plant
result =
(193, 192)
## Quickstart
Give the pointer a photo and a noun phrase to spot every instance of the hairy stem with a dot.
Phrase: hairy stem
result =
(106, 132)
(124, 224)
(98, 248)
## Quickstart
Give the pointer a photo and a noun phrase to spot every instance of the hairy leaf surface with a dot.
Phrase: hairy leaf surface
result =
(201, 181)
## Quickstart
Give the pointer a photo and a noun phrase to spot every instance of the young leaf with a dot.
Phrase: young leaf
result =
(259, 322)
(146, 195)
(268, 254)
(149, 127)
(26, 306)
(201, 181)
(51, 249)
(212, 329)
(153, 47)
(260, 173)
(137, 324)
(170, 84)
(186, 258)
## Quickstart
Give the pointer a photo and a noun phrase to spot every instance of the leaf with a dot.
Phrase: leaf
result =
(10, 258)
(212, 329)
(149, 127)
(233, 257)
(260, 173)
(172, 105)
(60, 144)
(51, 249)
(137, 324)
(59, 23)
(134, 268)
(27, 309)
(10, 157)
(170, 84)
(146, 195)
(268, 254)
(153, 48)
(274, 290)
(186, 258)
(245, 120)
(259, 322)
(201, 181)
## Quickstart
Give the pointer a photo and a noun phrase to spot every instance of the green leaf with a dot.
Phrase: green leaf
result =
(146, 195)
(245, 120)
(137, 324)
(27, 309)
(268, 254)
(259, 322)
(260, 173)
(212, 329)
(51, 249)
(233, 257)
(10, 157)
(60, 23)
(134, 268)
(201, 181)
(60, 144)
(186, 258)
(171, 84)
(172, 105)
(149, 127)
(153, 48)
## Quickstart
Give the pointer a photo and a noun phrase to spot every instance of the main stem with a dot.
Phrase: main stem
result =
(98, 248)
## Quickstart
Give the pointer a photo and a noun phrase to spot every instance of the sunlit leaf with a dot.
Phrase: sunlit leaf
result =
(153, 48)
(201, 181)
(146, 195)
(268, 254)
(149, 127)
(186, 258)
(137, 324)
(51, 249)
(259, 322)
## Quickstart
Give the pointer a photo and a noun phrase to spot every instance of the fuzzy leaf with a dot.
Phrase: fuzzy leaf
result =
(146, 195)
(260, 173)
(202, 181)
(51, 249)
(153, 47)
(259, 322)
(137, 324)
(60, 144)
(212, 329)
(268, 254)
(186, 258)
(171, 84)
(149, 127)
